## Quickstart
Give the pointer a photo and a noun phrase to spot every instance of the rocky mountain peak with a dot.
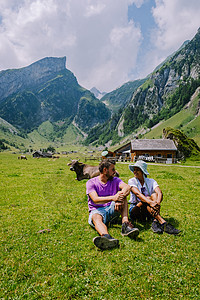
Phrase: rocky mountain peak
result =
(13, 80)
(48, 64)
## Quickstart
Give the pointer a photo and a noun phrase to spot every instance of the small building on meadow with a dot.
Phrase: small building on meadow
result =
(40, 154)
(155, 150)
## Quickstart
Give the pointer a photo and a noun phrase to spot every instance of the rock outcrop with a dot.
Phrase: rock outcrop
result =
(185, 145)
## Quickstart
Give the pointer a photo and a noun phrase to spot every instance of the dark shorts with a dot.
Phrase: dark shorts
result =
(139, 213)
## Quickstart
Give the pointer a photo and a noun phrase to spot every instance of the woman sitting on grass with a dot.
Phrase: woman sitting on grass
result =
(145, 198)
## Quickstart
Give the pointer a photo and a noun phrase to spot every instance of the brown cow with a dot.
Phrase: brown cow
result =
(84, 171)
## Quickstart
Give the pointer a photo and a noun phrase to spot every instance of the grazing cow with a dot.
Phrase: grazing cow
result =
(84, 171)
(22, 157)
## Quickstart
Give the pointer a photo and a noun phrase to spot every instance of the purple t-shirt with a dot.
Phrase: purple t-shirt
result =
(110, 188)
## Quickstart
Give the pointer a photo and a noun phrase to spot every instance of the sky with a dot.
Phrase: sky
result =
(106, 42)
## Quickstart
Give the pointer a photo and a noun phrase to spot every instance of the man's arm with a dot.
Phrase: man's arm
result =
(100, 200)
(125, 188)
(118, 197)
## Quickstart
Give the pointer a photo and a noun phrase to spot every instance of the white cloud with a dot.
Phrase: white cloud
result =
(177, 21)
(92, 10)
(100, 44)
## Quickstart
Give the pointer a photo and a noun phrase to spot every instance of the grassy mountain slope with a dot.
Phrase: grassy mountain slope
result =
(48, 134)
(45, 135)
(187, 120)
(12, 137)
(191, 128)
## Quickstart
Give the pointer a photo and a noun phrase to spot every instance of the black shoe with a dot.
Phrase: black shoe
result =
(168, 228)
(105, 242)
(157, 227)
(129, 230)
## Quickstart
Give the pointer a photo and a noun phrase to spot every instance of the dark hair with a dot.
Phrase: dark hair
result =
(105, 163)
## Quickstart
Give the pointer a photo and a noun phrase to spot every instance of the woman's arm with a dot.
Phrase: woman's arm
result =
(139, 195)
(159, 195)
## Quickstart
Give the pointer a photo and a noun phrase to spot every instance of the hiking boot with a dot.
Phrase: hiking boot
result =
(129, 230)
(168, 228)
(105, 242)
(157, 227)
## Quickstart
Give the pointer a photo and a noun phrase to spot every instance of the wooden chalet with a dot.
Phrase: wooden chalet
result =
(155, 150)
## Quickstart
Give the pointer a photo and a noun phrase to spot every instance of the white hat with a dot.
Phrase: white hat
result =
(140, 164)
(104, 153)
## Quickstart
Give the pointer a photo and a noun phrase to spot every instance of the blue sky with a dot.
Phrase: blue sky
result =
(143, 18)
(106, 42)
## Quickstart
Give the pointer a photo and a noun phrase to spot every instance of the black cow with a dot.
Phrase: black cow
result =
(84, 171)
(22, 157)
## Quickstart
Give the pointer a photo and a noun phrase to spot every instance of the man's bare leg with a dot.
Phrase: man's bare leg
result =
(158, 217)
(105, 240)
(100, 227)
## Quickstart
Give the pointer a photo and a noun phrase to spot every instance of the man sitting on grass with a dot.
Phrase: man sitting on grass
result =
(145, 198)
(107, 200)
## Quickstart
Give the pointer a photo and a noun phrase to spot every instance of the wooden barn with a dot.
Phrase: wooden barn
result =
(155, 150)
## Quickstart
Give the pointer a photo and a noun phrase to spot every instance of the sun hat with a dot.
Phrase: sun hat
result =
(140, 164)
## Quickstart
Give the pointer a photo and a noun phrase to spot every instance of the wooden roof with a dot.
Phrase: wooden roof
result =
(153, 144)
(123, 148)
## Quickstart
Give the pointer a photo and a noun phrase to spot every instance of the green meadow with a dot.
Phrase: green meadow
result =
(46, 243)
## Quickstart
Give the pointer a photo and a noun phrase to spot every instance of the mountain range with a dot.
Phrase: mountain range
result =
(164, 93)
(44, 101)
(46, 90)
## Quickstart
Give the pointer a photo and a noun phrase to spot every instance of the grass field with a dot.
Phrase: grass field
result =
(63, 263)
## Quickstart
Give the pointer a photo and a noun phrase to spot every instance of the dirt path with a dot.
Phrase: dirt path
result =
(164, 165)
